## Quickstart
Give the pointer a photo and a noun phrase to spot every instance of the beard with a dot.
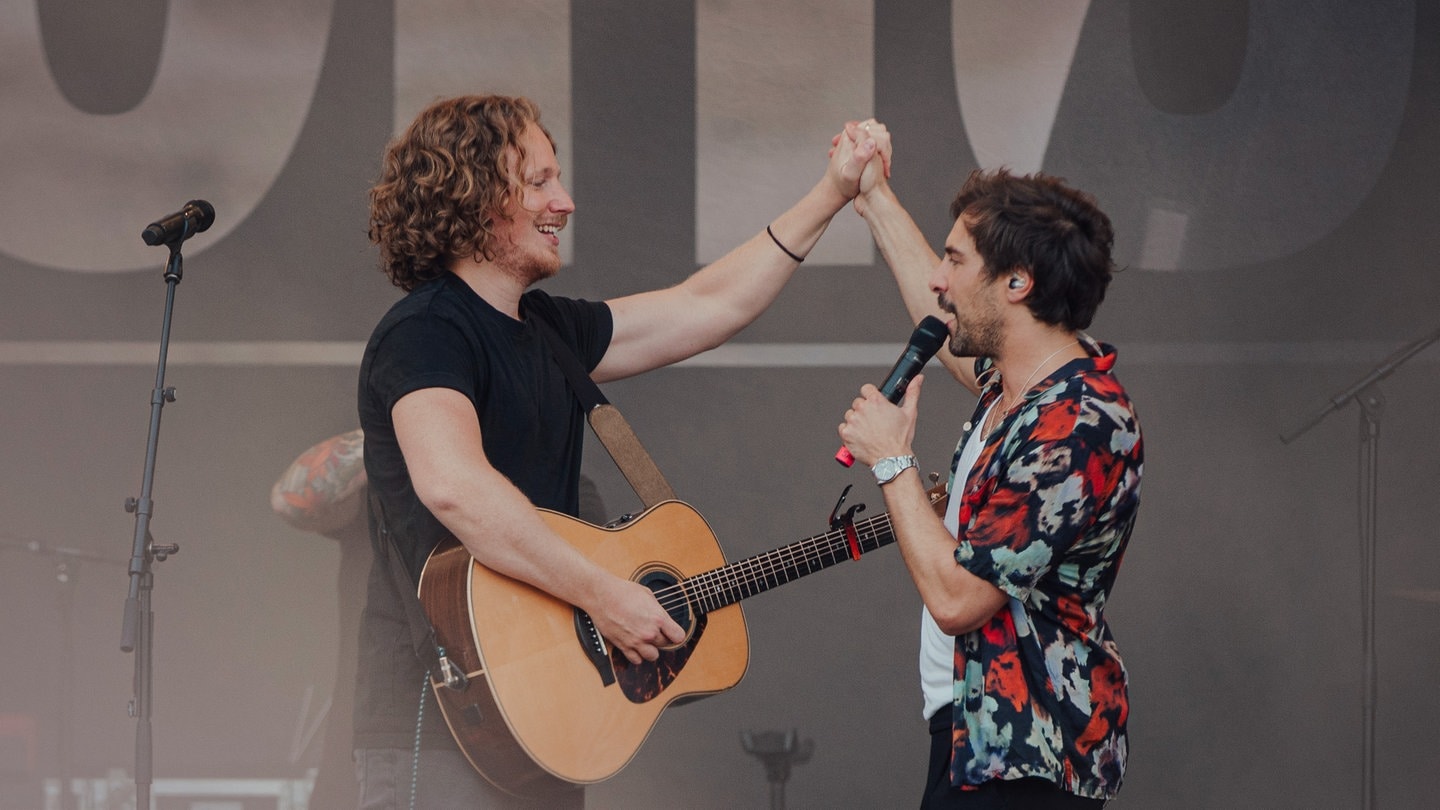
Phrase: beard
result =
(978, 333)
(527, 266)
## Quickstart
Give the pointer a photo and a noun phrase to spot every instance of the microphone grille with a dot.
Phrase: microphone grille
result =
(929, 335)
(206, 215)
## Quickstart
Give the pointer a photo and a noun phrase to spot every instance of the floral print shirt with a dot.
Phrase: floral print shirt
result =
(1040, 689)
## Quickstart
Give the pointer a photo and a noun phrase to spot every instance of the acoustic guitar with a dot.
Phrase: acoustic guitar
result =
(538, 702)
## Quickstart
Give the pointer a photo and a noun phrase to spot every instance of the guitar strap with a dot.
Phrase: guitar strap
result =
(609, 425)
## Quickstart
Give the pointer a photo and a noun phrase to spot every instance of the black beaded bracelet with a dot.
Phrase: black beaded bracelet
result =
(783, 249)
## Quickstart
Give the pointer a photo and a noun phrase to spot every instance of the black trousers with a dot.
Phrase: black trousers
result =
(1017, 794)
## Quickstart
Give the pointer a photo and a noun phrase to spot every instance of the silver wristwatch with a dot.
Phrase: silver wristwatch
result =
(886, 469)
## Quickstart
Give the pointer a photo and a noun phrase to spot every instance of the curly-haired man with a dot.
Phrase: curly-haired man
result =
(469, 423)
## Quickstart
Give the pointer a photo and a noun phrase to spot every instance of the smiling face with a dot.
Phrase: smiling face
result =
(527, 242)
(970, 294)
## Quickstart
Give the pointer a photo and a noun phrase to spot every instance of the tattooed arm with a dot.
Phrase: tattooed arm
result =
(323, 490)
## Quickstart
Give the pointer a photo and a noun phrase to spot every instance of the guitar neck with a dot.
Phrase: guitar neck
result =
(730, 583)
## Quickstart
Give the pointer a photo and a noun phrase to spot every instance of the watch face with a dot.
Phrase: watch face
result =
(887, 468)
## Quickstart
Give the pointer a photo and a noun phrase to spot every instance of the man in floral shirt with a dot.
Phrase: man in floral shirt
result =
(1023, 684)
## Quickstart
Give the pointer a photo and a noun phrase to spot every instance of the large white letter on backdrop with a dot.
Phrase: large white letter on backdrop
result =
(1012, 60)
(1280, 160)
(233, 88)
(774, 82)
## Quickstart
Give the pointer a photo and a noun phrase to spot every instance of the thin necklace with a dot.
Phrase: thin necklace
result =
(1020, 393)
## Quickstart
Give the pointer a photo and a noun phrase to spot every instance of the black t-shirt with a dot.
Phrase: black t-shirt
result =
(443, 335)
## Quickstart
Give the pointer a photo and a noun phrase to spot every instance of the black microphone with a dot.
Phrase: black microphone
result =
(195, 217)
(927, 338)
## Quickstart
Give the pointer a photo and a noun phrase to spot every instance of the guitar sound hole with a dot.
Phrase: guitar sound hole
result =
(647, 680)
(674, 603)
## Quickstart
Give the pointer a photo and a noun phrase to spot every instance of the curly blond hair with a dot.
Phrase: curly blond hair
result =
(444, 181)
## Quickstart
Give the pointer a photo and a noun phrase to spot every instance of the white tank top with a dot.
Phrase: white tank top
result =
(937, 649)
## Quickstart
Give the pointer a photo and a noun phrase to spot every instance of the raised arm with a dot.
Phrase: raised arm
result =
(660, 327)
(903, 246)
(323, 489)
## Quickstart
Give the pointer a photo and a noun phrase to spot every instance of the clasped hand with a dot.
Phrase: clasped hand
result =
(853, 153)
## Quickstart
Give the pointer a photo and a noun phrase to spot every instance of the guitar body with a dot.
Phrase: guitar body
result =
(543, 708)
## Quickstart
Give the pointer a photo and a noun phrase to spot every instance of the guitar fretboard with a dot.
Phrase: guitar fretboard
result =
(730, 583)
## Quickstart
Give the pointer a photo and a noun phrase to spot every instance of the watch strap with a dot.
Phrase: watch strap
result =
(889, 468)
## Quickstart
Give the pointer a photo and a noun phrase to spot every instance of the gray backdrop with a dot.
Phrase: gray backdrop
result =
(1271, 169)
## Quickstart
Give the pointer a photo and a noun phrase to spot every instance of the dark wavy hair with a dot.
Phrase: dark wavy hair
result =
(444, 181)
(1056, 232)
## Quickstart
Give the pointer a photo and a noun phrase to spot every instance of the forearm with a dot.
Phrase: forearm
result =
(738, 286)
(501, 529)
(903, 246)
(660, 327)
(911, 262)
(959, 600)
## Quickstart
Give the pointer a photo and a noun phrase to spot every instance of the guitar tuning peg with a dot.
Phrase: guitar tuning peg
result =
(934, 478)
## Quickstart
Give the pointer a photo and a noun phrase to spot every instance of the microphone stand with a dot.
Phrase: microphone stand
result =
(1372, 407)
(778, 752)
(139, 622)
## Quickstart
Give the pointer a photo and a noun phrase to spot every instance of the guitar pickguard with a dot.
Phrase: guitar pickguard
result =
(643, 682)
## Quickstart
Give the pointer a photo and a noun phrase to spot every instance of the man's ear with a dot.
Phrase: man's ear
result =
(1017, 285)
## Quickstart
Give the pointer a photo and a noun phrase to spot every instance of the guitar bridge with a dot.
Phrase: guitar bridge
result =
(596, 650)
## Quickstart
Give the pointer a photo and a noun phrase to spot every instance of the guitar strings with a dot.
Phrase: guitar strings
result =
(719, 587)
